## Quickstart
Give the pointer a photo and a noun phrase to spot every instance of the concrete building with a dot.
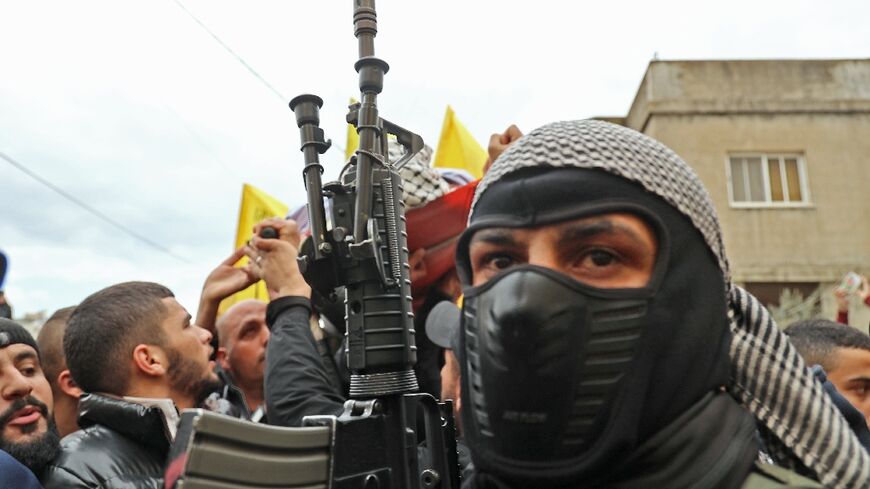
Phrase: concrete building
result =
(784, 148)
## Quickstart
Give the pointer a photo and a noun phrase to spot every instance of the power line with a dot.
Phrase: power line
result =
(90, 209)
(233, 53)
(199, 139)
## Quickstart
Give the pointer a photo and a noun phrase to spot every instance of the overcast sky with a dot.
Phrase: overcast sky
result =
(135, 110)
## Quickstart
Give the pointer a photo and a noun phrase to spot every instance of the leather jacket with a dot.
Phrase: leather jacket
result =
(230, 400)
(122, 445)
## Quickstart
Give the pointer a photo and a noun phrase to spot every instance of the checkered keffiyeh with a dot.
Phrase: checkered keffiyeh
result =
(768, 377)
(422, 184)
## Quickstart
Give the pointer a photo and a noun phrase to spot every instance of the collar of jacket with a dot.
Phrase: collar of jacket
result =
(146, 425)
(712, 445)
(232, 393)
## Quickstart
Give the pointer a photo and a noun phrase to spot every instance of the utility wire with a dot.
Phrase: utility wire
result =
(233, 53)
(199, 139)
(90, 209)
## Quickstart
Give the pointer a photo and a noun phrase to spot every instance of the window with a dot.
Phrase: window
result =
(767, 179)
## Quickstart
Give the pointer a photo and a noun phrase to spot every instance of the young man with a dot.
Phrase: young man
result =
(135, 353)
(603, 343)
(27, 429)
(63, 388)
(843, 353)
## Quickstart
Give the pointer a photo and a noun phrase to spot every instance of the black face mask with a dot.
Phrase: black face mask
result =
(561, 379)
(570, 344)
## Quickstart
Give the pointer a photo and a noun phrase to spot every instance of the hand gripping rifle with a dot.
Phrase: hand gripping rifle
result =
(387, 437)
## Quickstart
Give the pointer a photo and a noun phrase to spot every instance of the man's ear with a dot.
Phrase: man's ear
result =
(417, 262)
(150, 360)
(68, 385)
(220, 355)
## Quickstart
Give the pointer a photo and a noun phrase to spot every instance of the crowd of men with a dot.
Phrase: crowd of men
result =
(599, 342)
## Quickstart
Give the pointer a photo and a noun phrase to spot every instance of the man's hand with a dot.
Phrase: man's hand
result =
(842, 298)
(500, 142)
(222, 282)
(864, 291)
(276, 259)
(227, 279)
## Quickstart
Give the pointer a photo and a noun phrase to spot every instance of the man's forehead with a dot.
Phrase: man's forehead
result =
(243, 310)
(575, 228)
(17, 351)
(852, 358)
(241, 313)
(176, 314)
(173, 306)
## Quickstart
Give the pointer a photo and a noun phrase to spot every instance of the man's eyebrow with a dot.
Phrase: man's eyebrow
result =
(583, 230)
(26, 355)
(497, 236)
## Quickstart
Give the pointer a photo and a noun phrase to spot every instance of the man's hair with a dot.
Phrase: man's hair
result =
(50, 342)
(106, 327)
(818, 339)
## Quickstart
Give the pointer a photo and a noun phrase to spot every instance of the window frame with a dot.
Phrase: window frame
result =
(765, 173)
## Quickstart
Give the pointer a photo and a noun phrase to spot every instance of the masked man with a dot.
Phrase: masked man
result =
(603, 342)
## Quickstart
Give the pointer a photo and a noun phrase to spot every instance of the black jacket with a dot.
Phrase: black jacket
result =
(230, 400)
(121, 445)
(297, 382)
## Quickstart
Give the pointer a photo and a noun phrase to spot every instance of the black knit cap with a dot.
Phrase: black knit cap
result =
(12, 333)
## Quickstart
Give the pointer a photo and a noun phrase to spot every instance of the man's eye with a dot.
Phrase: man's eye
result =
(28, 371)
(601, 258)
(860, 390)
(499, 261)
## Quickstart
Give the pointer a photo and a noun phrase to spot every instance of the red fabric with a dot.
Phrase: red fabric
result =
(174, 471)
(436, 227)
(843, 317)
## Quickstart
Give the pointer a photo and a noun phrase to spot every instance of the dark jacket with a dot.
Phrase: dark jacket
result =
(297, 383)
(230, 400)
(121, 445)
(15, 475)
(762, 476)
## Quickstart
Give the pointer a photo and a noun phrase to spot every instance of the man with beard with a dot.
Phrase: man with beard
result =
(135, 353)
(241, 356)
(27, 429)
(603, 343)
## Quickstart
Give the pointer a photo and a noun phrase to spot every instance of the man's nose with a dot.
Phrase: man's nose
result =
(17, 385)
(204, 335)
(543, 254)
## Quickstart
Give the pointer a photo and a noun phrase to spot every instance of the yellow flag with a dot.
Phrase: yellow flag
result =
(352, 138)
(256, 206)
(457, 148)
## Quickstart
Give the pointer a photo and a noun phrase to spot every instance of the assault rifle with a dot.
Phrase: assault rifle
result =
(388, 437)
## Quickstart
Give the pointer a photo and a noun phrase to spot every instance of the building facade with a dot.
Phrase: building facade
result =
(783, 146)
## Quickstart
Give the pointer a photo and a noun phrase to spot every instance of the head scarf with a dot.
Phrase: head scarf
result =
(768, 377)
